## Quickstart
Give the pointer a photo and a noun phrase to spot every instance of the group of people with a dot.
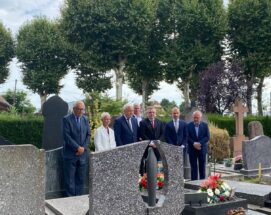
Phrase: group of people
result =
(129, 128)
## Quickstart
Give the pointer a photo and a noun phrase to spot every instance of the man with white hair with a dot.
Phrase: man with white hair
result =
(126, 127)
(198, 138)
(76, 133)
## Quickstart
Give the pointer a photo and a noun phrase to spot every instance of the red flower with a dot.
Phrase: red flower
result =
(222, 198)
(213, 183)
(144, 182)
(160, 184)
(205, 184)
(215, 177)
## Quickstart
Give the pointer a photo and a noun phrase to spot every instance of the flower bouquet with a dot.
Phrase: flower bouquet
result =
(143, 181)
(238, 211)
(216, 188)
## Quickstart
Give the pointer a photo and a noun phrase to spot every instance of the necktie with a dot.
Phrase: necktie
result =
(176, 125)
(130, 123)
(197, 129)
(152, 123)
(78, 122)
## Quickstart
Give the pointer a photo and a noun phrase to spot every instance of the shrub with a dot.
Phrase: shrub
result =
(22, 129)
(219, 146)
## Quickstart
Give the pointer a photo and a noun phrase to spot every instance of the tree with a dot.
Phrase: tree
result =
(19, 101)
(6, 52)
(197, 30)
(249, 37)
(42, 51)
(109, 31)
(220, 84)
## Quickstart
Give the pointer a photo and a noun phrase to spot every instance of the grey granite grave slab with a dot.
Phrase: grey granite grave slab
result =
(255, 129)
(54, 175)
(78, 205)
(256, 151)
(22, 169)
(53, 110)
(255, 194)
(114, 176)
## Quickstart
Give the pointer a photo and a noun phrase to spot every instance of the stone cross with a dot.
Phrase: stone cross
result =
(239, 109)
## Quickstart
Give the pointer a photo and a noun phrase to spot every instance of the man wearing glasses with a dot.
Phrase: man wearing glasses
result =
(76, 134)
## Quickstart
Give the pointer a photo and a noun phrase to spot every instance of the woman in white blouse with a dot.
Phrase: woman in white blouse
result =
(104, 138)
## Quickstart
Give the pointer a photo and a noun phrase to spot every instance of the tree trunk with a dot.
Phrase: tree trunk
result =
(250, 81)
(119, 72)
(259, 96)
(186, 89)
(42, 100)
(144, 96)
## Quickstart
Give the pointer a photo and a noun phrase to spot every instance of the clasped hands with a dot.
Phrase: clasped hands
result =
(80, 150)
(197, 145)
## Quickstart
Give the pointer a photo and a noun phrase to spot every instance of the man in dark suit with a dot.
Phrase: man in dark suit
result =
(198, 138)
(76, 133)
(126, 127)
(176, 129)
(151, 128)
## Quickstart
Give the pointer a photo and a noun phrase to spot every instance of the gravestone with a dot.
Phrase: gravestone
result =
(53, 110)
(236, 142)
(54, 174)
(22, 170)
(4, 141)
(114, 176)
(256, 151)
(255, 129)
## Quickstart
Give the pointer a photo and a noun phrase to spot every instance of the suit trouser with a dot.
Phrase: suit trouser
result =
(197, 159)
(74, 174)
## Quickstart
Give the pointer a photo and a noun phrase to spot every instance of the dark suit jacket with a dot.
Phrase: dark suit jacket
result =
(203, 137)
(149, 133)
(123, 133)
(74, 137)
(179, 138)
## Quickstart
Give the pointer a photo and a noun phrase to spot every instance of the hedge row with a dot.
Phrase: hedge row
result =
(226, 122)
(22, 130)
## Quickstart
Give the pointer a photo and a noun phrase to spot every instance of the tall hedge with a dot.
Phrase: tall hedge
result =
(228, 123)
(22, 129)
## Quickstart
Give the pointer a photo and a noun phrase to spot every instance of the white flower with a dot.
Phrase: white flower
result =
(208, 200)
(227, 193)
(210, 192)
(217, 192)
(199, 191)
(226, 186)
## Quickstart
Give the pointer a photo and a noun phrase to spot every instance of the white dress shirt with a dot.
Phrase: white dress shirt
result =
(104, 140)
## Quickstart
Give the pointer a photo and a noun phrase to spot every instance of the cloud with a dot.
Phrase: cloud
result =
(14, 13)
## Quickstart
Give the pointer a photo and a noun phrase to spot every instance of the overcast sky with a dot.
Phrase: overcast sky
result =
(13, 13)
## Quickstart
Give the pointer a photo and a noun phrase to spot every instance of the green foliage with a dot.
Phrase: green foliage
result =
(228, 123)
(41, 50)
(21, 129)
(199, 28)
(6, 52)
(22, 104)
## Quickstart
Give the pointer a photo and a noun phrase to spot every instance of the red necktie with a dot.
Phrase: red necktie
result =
(152, 123)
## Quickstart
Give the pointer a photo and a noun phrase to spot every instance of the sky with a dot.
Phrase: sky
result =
(14, 13)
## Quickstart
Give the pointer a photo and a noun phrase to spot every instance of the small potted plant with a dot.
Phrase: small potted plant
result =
(238, 162)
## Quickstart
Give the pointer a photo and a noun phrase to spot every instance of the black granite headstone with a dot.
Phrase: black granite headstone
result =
(53, 110)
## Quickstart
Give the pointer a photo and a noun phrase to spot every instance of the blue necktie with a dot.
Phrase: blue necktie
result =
(78, 122)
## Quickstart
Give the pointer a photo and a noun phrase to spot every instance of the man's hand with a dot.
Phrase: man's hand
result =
(80, 150)
(197, 145)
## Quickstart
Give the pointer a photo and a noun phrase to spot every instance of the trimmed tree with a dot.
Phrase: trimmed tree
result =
(250, 39)
(6, 52)
(110, 31)
(41, 50)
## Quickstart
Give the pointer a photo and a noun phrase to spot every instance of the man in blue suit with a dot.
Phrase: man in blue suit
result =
(76, 134)
(198, 138)
(126, 127)
(176, 130)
